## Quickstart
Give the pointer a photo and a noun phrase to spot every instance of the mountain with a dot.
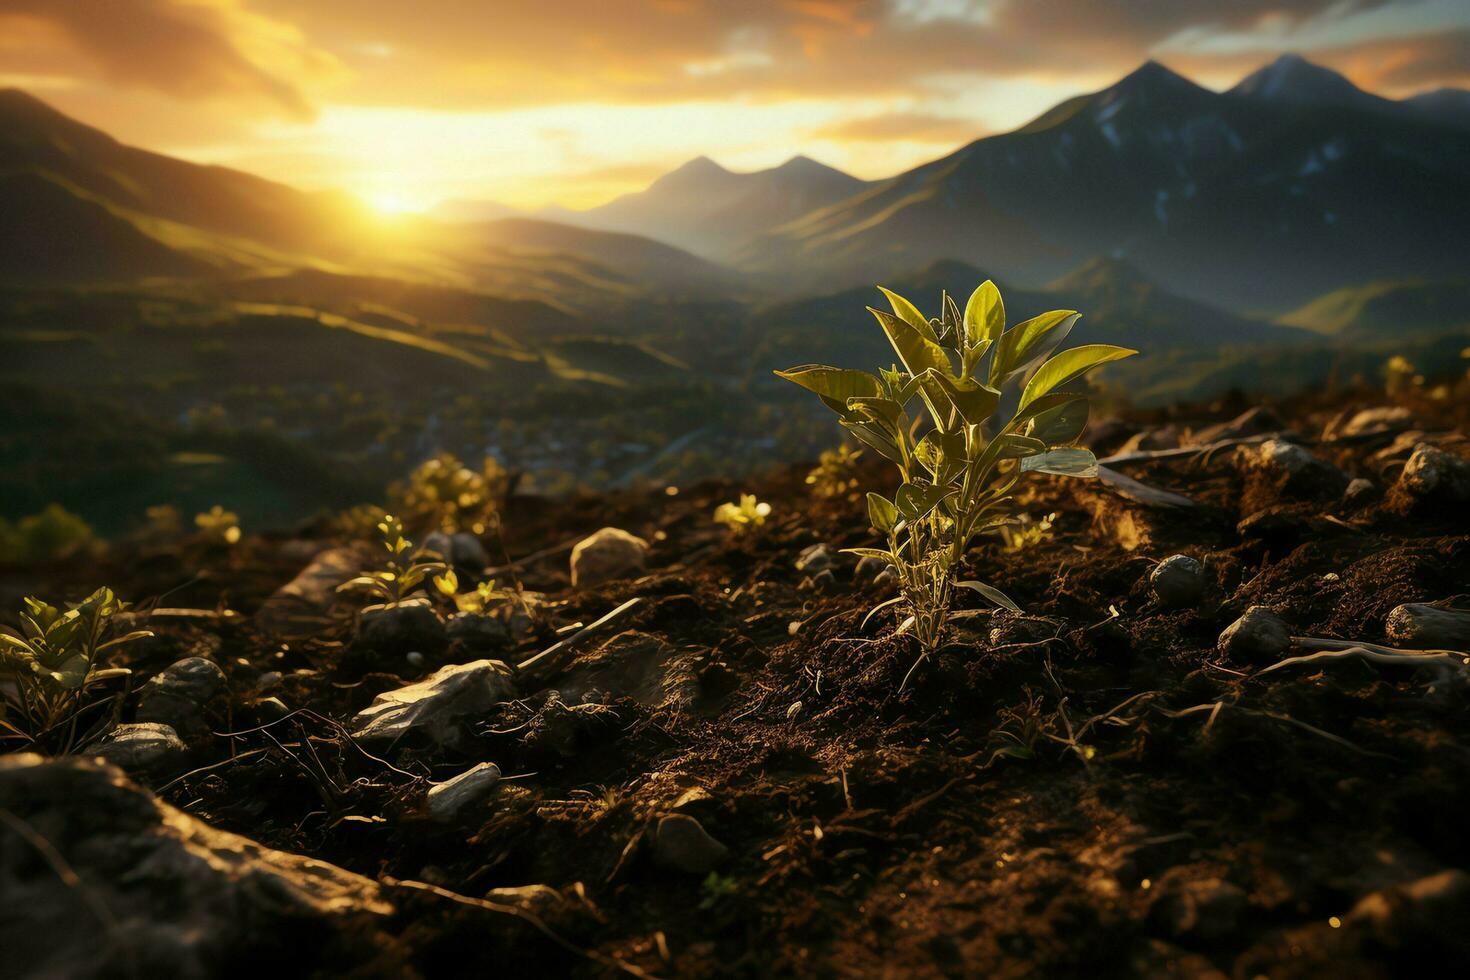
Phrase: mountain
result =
(1293, 80)
(1243, 200)
(58, 236)
(35, 138)
(1448, 106)
(709, 210)
(1388, 308)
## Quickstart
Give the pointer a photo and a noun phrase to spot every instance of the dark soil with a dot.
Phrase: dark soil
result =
(1088, 789)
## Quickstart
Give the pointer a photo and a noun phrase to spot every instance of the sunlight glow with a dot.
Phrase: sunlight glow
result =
(392, 202)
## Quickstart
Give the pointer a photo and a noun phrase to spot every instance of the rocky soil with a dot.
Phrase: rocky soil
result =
(1197, 752)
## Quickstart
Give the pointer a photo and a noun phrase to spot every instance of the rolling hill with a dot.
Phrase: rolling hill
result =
(1387, 308)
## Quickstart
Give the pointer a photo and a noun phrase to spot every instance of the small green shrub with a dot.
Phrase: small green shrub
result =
(443, 494)
(836, 472)
(46, 536)
(996, 411)
(400, 576)
(745, 516)
(218, 526)
(53, 663)
(1025, 532)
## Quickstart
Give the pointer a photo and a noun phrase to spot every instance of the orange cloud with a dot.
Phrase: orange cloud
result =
(184, 49)
(914, 127)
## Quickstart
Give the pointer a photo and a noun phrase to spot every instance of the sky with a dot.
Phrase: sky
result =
(572, 102)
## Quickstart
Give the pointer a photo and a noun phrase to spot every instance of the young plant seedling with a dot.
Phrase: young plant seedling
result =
(745, 516)
(400, 576)
(996, 410)
(53, 665)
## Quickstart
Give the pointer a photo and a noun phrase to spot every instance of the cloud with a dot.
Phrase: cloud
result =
(208, 49)
(1395, 66)
(472, 55)
(913, 127)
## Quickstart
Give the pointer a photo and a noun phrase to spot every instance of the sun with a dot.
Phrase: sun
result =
(388, 202)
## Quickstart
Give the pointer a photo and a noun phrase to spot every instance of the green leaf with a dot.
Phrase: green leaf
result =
(916, 500)
(1014, 446)
(882, 512)
(1068, 366)
(985, 315)
(884, 410)
(943, 455)
(1062, 462)
(870, 435)
(992, 593)
(954, 322)
(918, 352)
(1060, 425)
(879, 608)
(909, 313)
(974, 401)
(839, 384)
(1029, 340)
(970, 358)
(877, 553)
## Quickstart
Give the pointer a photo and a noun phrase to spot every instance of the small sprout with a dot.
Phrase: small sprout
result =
(836, 472)
(400, 576)
(959, 466)
(745, 516)
(219, 526)
(1400, 376)
(716, 887)
(53, 663)
(1026, 533)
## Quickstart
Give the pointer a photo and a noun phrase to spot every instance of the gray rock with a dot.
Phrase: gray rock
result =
(477, 631)
(823, 581)
(437, 545)
(817, 558)
(439, 708)
(398, 627)
(181, 695)
(1178, 581)
(299, 603)
(1297, 471)
(1427, 626)
(466, 551)
(1165, 437)
(1433, 473)
(1204, 910)
(470, 787)
(868, 568)
(609, 554)
(1372, 421)
(1258, 635)
(144, 747)
(682, 844)
(1400, 449)
(1360, 492)
(182, 899)
(887, 580)
(1252, 422)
